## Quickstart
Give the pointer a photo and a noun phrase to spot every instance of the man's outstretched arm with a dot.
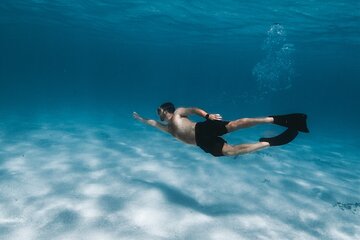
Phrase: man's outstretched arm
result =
(151, 122)
(197, 111)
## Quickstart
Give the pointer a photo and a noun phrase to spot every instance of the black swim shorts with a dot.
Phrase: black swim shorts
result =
(207, 136)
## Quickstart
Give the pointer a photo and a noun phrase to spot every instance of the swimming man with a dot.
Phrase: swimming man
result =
(207, 134)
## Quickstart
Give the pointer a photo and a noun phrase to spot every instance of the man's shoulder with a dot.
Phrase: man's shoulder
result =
(181, 110)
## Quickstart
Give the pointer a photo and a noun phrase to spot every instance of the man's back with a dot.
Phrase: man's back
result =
(182, 127)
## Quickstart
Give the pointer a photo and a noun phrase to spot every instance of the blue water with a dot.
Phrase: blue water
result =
(75, 164)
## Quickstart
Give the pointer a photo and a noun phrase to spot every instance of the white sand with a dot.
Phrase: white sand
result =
(83, 181)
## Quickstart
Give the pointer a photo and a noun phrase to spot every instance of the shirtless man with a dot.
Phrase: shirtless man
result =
(207, 134)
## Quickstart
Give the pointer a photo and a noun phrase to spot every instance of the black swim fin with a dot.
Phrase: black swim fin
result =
(287, 136)
(295, 121)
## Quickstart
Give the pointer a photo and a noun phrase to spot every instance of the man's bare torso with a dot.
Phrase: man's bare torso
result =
(182, 128)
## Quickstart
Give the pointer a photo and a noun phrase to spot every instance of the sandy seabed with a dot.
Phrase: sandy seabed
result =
(79, 180)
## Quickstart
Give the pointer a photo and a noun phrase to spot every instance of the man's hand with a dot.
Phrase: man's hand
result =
(215, 117)
(151, 122)
(137, 117)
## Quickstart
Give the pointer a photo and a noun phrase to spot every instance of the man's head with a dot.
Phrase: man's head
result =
(165, 110)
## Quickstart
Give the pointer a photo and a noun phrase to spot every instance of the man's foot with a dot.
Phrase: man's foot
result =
(287, 136)
(295, 121)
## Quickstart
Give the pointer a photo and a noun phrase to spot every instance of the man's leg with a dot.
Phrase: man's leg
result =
(229, 150)
(247, 122)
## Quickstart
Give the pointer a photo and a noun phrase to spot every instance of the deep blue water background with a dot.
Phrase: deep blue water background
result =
(124, 56)
(74, 163)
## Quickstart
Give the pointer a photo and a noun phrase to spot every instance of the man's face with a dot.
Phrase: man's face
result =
(161, 114)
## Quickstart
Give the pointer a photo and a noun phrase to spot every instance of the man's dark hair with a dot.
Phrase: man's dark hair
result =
(168, 106)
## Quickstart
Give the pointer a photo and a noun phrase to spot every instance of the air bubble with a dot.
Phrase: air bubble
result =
(275, 71)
